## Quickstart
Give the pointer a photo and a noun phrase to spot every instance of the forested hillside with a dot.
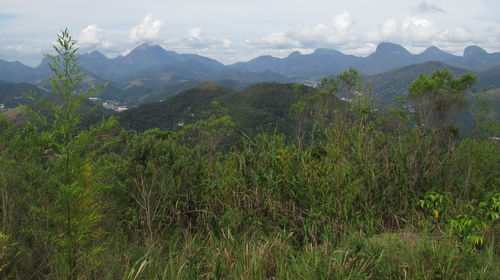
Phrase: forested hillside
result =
(277, 181)
(259, 107)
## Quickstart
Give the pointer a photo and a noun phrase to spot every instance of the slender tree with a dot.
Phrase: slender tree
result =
(59, 121)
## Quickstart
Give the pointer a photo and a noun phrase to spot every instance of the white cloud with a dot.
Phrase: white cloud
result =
(418, 30)
(388, 30)
(359, 48)
(195, 33)
(321, 34)
(277, 40)
(495, 31)
(247, 32)
(342, 22)
(305, 36)
(227, 43)
(150, 30)
(310, 36)
(25, 52)
(411, 29)
(458, 34)
(417, 33)
(22, 48)
(197, 39)
(93, 36)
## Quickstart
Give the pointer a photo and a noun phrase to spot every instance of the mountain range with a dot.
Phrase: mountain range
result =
(152, 62)
(387, 57)
(151, 65)
(150, 73)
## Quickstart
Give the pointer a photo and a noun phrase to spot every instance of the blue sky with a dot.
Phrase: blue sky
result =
(6, 17)
(237, 30)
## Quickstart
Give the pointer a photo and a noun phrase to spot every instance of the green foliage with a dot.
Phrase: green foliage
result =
(439, 95)
(318, 110)
(261, 107)
(470, 221)
(6, 254)
(209, 133)
(485, 116)
(435, 202)
(471, 225)
(490, 207)
(62, 212)
(468, 227)
(354, 193)
(75, 206)
(350, 82)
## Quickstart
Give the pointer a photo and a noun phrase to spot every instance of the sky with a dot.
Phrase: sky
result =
(239, 30)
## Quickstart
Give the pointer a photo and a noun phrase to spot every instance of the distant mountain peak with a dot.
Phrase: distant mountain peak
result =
(436, 54)
(474, 50)
(96, 54)
(143, 46)
(391, 48)
(15, 62)
(294, 54)
(323, 51)
(44, 63)
(148, 55)
(433, 49)
(147, 46)
(264, 58)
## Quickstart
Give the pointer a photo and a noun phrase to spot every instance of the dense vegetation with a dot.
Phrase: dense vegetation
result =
(258, 107)
(350, 193)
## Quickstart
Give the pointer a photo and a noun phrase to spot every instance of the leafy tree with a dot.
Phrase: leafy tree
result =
(485, 117)
(350, 81)
(439, 95)
(212, 132)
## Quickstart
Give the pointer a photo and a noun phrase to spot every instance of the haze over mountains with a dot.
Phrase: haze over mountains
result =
(150, 73)
(154, 62)
(145, 62)
(388, 56)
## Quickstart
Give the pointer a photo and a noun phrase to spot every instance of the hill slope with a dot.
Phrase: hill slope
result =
(262, 106)
(395, 83)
